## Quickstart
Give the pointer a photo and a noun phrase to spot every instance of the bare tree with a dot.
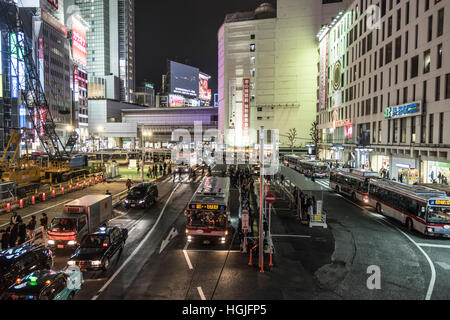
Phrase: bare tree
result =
(315, 136)
(292, 136)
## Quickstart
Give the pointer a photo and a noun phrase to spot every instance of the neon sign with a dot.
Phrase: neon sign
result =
(402, 111)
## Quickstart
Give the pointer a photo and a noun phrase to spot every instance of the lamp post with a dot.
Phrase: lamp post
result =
(144, 134)
(100, 129)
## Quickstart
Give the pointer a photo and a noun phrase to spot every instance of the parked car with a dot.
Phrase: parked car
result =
(98, 250)
(43, 285)
(20, 261)
(142, 195)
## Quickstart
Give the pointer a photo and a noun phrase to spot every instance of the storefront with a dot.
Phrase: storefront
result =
(404, 170)
(381, 164)
(432, 170)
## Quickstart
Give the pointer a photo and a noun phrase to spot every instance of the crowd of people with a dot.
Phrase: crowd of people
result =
(18, 232)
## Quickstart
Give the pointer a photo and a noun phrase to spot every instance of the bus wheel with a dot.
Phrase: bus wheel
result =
(409, 224)
(378, 208)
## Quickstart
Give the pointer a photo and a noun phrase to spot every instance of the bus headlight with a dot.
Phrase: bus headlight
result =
(51, 242)
(71, 243)
(71, 263)
(430, 230)
(189, 238)
(366, 200)
(223, 239)
(96, 262)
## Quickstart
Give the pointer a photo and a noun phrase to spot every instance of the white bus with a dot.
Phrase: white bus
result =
(208, 212)
(314, 168)
(352, 182)
(417, 207)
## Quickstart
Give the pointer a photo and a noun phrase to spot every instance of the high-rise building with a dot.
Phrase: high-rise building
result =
(385, 88)
(110, 41)
(267, 68)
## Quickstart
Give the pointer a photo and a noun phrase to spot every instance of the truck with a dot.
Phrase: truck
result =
(80, 218)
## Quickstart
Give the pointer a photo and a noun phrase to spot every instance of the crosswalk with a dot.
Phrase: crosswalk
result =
(324, 183)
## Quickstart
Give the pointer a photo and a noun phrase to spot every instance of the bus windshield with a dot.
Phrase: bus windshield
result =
(319, 169)
(207, 219)
(438, 215)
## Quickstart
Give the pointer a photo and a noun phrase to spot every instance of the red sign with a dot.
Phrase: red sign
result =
(79, 42)
(349, 131)
(53, 22)
(270, 198)
(246, 107)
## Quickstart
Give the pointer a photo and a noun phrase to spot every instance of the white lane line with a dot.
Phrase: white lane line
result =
(137, 248)
(215, 251)
(290, 235)
(433, 269)
(186, 256)
(200, 292)
(443, 265)
(434, 245)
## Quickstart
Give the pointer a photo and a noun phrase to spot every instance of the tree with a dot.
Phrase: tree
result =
(292, 136)
(315, 136)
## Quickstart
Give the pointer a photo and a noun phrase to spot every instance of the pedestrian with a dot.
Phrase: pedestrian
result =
(4, 239)
(165, 167)
(12, 235)
(15, 218)
(44, 226)
(31, 226)
(138, 168)
(149, 172)
(160, 169)
(128, 184)
(22, 233)
(170, 169)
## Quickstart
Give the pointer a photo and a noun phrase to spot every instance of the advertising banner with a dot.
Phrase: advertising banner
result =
(323, 76)
(79, 51)
(245, 107)
(204, 93)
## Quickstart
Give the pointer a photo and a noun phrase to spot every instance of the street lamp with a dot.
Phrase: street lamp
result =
(100, 129)
(144, 134)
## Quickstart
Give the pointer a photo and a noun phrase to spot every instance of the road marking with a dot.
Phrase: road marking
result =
(215, 251)
(172, 234)
(434, 245)
(186, 256)
(290, 235)
(200, 292)
(443, 265)
(137, 248)
(433, 270)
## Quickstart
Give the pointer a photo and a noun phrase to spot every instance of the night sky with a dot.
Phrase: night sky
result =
(184, 31)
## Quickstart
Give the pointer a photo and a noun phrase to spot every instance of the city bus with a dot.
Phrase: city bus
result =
(292, 161)
(437, 186)
(208, 213)
(352, 182)
(313, 168)
(418, 208)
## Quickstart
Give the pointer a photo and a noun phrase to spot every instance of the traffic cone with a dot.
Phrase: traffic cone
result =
(8, 207)
(33, 200)
(250, 260)
(270, 262)
(21, 203)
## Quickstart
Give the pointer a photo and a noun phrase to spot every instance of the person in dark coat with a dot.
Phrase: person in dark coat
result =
(4, 239)
(12, 235)
(22, 233)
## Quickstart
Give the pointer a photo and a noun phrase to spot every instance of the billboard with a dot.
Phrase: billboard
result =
(246, 107)
(323, 75)
(183, 79)
(203, 92)
(176, 101)
(79, 52)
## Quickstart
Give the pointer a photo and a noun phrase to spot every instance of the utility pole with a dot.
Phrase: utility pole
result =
(261, 199)
(143, 153)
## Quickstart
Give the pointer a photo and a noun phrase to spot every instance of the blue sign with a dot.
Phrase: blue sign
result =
(402, 111)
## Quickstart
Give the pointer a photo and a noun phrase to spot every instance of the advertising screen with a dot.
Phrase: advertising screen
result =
(203, 92)
(183, 79)
(79, 42)
(176, 101)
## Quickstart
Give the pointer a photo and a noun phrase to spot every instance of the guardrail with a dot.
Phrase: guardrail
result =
(48, 191)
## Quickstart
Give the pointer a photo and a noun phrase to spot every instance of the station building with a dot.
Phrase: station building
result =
(384, 88)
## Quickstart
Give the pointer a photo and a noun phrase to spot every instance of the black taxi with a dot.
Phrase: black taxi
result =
(99, 249)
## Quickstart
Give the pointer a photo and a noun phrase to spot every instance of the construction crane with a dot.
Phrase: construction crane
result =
(38, 109)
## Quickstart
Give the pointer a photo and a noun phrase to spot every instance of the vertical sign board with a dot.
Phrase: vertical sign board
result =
(1, 66)
(245, 220)
(323, 76)
(79, 51)
(245, 107)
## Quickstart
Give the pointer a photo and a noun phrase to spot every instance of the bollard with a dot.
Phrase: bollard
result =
(78, 185)
(21, 203)
(54, 193)
(70, 187)
(33, 200)
(270, 263)
(62, 190)
(43, 196)
(8, 207)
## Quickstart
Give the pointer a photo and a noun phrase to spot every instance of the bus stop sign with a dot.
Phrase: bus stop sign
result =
(270, 198)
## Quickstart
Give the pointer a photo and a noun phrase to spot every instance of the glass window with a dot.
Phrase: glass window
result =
(426, 61)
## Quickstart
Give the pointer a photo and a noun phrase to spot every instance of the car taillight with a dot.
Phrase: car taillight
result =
(105, 245)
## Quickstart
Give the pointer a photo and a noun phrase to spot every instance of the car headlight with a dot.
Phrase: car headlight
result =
(141, 202)
(71, 263)
(51, 242)
(71, 243)
(223, 239)
(96, 262)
